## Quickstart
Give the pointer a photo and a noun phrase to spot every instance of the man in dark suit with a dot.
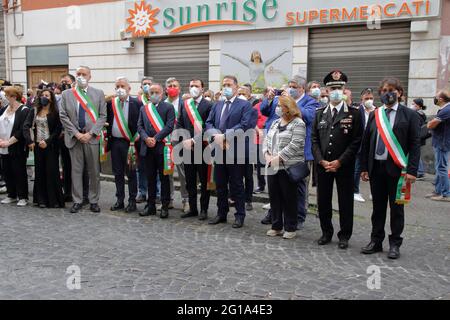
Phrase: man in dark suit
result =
(225, 119)
(156, 123)
(192, 117)
(336, 137)
(378, 166)
(122, 117)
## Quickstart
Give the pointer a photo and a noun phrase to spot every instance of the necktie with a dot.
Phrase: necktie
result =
(223, 119)
(81, 117)
(335, 112)
(381, 148)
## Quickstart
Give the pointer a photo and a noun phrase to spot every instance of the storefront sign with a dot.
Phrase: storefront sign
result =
(172, 17)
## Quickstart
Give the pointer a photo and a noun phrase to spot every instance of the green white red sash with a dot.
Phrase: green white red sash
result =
(211, 177)
(194, 115)
(124, 129)
(86, 103)
(396, 152)
(143, 99)
(158, 124)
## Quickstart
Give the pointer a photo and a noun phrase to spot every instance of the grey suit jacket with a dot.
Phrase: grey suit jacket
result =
(69, 116)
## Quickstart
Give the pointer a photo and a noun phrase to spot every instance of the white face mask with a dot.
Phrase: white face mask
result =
(82, 82)
(279, 112)
(242, 97)
(315, 93)
(324, 100)
(195, 92)
(369, 104)
(208, 99)
(121, 93)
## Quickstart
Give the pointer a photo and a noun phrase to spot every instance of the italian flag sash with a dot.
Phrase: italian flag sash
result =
(158, 124)
(143, 98)
(124, 129)
(397, 154)
(86, 103)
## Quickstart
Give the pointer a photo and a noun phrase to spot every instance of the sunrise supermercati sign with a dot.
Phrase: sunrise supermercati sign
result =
(172, 17)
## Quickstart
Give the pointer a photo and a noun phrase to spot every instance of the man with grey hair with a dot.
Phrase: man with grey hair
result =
(174, 97)
(123, 115)
(83, 116)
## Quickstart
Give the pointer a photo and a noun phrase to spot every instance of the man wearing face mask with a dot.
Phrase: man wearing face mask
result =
(314, 90)
(225, 119)
(336, 139)
(192, 117)
(174, 97)
(156, 123)
(324, 97)
(390, 161)
(83, 115)
(365, 108)
(123, 116)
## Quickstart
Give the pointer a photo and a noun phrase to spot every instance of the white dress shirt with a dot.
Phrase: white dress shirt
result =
(392, 116)
(116, 133)
(225, 104)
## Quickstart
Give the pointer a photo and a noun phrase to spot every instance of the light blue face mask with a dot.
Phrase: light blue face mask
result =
(337, 96)
(228, 92)
(315, 93)
(155, 99)
(294, 93)
(146, 88)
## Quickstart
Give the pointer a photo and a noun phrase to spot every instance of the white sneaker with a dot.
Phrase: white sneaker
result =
(9, 201)
(274, 233)
(3, 190)
(186, 207)
(22, 203)
(289, 235)
(358, 197)
(266, 206)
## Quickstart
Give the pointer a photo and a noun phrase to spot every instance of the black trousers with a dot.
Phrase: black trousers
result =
(233, 175)
(283, 202)
(344, 180)
(260, 168)
(120, 167)
(15, 174)
(384, 191)
(154, 166)
(47, 183)
(67, 173)
(249, 183)
(191, 172)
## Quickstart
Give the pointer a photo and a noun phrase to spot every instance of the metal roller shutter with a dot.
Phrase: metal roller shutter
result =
(179, 57)
(366, 56)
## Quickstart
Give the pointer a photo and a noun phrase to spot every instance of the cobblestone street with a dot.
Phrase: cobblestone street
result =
(127, 257)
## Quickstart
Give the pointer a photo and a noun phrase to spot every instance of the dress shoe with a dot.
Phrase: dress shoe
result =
(118, 206)
(324, 241)
(238, 224)
(131, 207)
(267, 219)
(394, 252)
(372, 247)
(95, 208)
(249, 206)
(189, 215)
(148, 211)
(77, 207)
(343, 244)
(217, 220)
(203, 215)
(164, 213)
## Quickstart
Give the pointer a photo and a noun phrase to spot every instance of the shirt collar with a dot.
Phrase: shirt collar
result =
(395, 107)
(199, 99)
(299, 99)
(231, 100)
(338, 107)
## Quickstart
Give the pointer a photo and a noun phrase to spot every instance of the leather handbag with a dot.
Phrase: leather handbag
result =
(298, 172)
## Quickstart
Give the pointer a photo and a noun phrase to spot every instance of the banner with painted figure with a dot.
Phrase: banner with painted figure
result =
(259, 58)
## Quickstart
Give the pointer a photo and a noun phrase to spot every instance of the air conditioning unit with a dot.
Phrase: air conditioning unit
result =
(129, 44)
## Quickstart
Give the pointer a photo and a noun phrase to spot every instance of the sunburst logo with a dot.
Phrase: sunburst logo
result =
(142, 20)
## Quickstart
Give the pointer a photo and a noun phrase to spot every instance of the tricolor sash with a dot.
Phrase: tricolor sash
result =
(396, 152)
(158, 124)
(124, 129)
(143, 98)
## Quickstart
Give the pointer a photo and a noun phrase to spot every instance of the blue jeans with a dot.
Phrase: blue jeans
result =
(357, 174)
(441, 166)
(421, 170)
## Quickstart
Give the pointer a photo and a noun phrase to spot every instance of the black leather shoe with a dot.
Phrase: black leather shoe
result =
(189, 215)
(372, 247)
(118, 206)
(148, 211)
(77, 207)
(343, 244)
(394, 253)
(249, 206)
(238, 224)
(95, 208)
(217, 220)
(131, 207)
(164, 213)
(203, 215)
(324, 241)
(267, 219)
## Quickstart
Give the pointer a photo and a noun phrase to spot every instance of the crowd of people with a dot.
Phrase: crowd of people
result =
(301, 134)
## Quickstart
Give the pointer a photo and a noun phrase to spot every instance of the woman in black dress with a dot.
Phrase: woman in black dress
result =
(41, 130)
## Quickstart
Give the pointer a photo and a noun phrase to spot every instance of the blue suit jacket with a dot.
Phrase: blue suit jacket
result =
(307, 106)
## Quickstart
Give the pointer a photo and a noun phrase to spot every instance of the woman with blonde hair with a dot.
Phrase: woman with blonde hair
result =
(284, 150)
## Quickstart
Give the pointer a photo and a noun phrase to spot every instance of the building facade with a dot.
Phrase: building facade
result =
(262, 42)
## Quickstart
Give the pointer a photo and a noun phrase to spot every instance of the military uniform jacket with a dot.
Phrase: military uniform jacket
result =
(339, 139)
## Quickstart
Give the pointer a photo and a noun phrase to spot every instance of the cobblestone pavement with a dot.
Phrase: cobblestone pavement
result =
(127, 257)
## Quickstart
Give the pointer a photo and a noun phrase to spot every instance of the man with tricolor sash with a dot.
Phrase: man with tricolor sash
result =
(389, 160)
(123, 142)
(192, 117)
(83, 115)
(156, 123)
